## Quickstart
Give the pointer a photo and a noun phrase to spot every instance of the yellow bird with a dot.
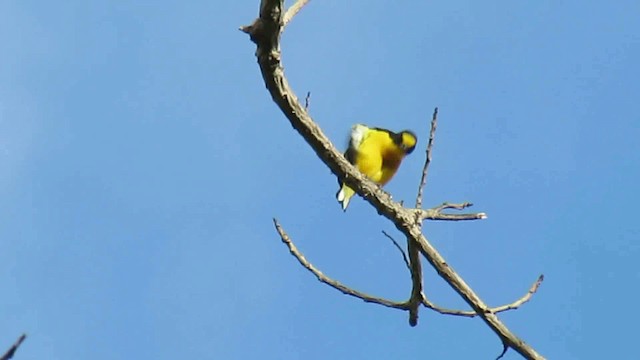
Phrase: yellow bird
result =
(377, 153)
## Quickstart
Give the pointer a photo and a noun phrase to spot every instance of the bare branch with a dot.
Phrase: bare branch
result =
(12, 350)
(466, 313)
(416, 281)
(404, 255)
(516, 304)
(293, 10)
(435, 215)
(446, 205)
(444, 311)
(425, 169)
(327, 280)
(265, 32)
(417, 297)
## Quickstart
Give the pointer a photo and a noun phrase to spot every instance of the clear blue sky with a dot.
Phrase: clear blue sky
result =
(141, 162)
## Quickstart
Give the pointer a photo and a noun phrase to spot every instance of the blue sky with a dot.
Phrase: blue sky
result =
(142, 160)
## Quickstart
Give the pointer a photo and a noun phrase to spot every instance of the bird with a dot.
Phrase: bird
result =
(377, 153)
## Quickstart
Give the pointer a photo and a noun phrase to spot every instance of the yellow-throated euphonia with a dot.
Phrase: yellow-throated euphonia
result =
(377, 153)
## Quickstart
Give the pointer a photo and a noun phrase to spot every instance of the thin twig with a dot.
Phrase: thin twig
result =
(434, 215)
(404, 255)
(425, 169)
(446, 205)
(293, 10)
(327, 280)
(516, 304)
(505, 347)
(445, 311)
(307, 100)
(12, 350)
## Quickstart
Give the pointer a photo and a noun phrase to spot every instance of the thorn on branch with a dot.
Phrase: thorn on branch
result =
(254, 30)
(505, 347)
(12, 350)
(307, 100)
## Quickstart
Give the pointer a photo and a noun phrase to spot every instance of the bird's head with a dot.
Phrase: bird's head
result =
(408, 141)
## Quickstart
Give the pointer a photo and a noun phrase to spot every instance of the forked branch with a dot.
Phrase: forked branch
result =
(265, 32)
(406, 305)
(498, 309)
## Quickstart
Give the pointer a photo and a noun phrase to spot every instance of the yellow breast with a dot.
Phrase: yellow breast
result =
(378, 157)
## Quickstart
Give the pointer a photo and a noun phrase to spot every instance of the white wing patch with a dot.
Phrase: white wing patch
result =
(357, 135)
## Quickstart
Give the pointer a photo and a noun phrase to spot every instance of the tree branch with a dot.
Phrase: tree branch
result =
(415, 269)
(12, 350)
(265, 32)
(416, 297)
(327, 280)
(388, 303)
(465, 313)
(425, 169)
(516, 304)
(446, 205)
(435, 213)
(293, 10)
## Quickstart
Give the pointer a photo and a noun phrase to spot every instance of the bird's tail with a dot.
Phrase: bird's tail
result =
(344, 196)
